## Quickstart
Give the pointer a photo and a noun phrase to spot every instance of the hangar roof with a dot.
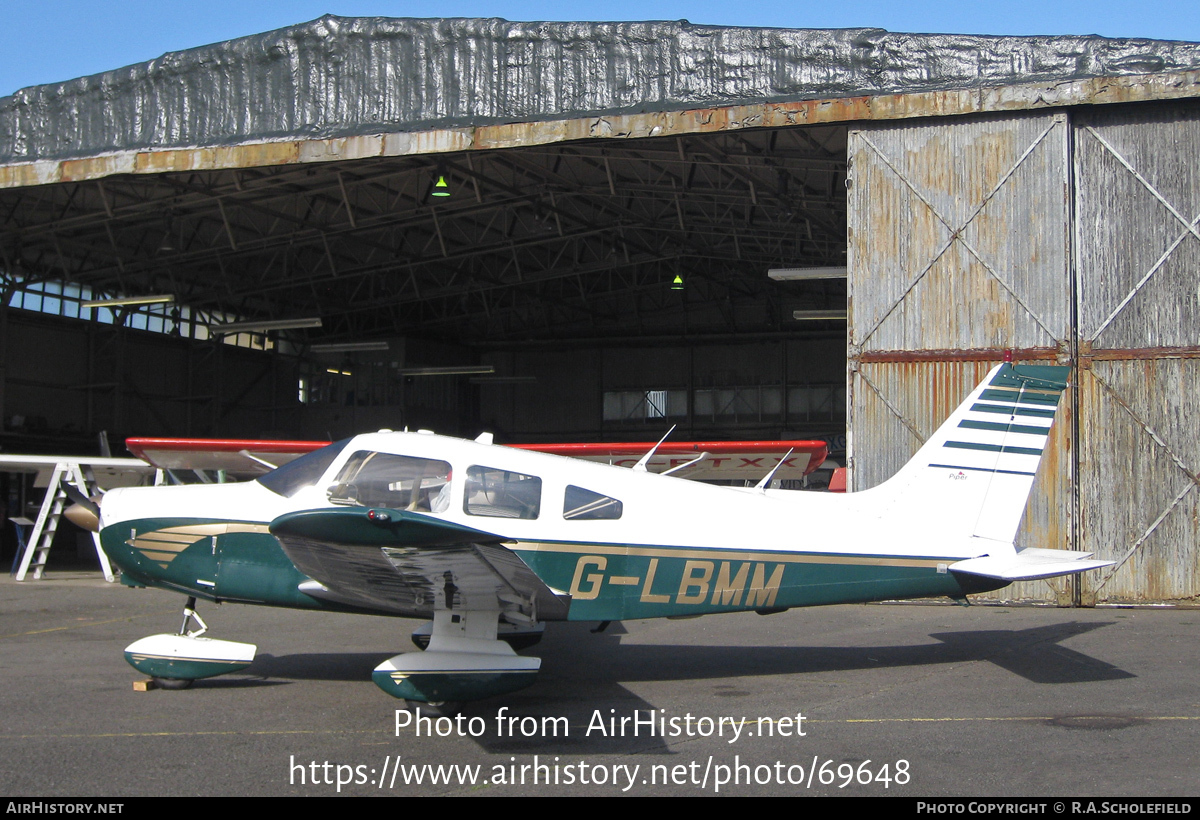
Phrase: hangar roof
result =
(346, 76)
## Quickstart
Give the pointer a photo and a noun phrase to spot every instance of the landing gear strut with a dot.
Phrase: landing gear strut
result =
(190, 614)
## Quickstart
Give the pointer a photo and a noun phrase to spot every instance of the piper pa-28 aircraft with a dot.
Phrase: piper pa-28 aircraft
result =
(489, 542)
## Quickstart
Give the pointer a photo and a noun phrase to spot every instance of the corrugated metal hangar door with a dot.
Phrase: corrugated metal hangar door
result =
(1137, 180)
(958, 249)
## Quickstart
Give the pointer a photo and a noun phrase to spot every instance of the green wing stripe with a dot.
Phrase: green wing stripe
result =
(1004, 428)
(993, 448)
(1020, 398)
(1033, 376)
(1012, 410)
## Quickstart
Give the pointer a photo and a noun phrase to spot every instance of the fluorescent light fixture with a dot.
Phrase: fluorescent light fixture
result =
(819, 315)
(347, 347)
(803, 274)
(121, 301)
(251, 326)
(503, 380)
(453, 370)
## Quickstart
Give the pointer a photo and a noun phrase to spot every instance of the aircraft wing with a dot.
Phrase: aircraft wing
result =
(411, 564)
(738, 460)
(109, 472)
(242, 457)
(745, 460)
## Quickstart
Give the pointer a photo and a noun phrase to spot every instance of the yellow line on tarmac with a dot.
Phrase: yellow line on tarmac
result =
(1001, 719)
(79, 626)
(196, 734)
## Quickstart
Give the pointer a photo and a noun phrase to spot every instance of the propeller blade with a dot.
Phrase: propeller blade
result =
(85, 512)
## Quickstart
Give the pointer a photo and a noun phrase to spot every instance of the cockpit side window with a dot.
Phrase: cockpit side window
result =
(373, 479)
(584, 505)
(502, 493)
(302, 472)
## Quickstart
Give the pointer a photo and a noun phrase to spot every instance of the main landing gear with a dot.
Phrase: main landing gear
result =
(464, 661)
(175, 661)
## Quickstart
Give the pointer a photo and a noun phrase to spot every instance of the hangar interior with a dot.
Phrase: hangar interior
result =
(585, 275)
(617, 194)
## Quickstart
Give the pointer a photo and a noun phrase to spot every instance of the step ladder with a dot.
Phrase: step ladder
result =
(37, 549)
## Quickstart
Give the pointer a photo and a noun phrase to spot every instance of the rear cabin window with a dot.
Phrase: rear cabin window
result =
(502, 493)
(397, 482)
(584, 505)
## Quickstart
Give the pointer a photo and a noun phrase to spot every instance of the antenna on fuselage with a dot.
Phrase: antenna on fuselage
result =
(644, 460)
(766, 482)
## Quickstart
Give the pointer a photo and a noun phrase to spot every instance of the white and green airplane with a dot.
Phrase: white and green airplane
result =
(487, 543)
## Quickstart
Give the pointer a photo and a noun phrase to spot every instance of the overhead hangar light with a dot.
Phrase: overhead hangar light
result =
(347, 347)
(451, 370)
(252, 326)
(123, 301)
(802, 274)
(819, 315)
(503, 380)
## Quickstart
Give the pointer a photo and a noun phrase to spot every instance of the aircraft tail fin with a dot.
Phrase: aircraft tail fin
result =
(971, 479)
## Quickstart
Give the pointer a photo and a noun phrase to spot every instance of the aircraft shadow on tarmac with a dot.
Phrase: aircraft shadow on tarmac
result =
(1035, 654)
(583, 674)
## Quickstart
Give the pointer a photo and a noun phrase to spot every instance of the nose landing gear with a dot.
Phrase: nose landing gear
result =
(175, 661)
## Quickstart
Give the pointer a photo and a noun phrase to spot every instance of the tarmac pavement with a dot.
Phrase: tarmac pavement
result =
(905, 700)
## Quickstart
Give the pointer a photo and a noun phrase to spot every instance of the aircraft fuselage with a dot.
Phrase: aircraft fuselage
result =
(644, 545)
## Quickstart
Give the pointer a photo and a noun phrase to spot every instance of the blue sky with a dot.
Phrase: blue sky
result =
(53, 40)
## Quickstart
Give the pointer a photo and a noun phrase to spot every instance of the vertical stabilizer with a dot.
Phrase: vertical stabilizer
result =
(972, 478)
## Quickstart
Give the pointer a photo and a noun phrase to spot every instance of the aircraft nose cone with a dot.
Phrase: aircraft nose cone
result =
(83, 517)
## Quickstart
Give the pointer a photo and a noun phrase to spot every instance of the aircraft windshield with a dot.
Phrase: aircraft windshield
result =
(303, 472)
(398, 482)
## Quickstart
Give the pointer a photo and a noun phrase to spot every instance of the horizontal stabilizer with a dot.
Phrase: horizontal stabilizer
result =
(1029, 564)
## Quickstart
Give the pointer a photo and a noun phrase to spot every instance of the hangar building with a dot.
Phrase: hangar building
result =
(618, 194)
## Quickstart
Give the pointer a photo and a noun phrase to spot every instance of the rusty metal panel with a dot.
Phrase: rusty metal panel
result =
(1138, 183)
(958, 250)
(341, 77)
(1139, 500)
(959, 234)
(1138, 201)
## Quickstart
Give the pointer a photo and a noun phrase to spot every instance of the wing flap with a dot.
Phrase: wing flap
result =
(412, 564)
